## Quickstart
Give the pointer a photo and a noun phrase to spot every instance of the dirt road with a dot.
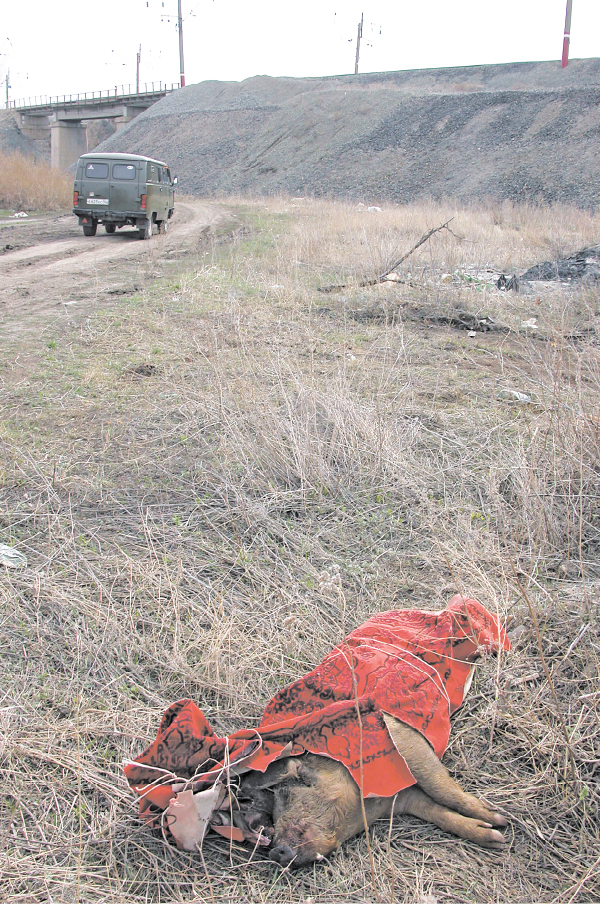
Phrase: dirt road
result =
(49, 270)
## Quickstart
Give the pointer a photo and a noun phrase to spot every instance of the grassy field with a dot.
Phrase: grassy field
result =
(288, 463)
(28, 184)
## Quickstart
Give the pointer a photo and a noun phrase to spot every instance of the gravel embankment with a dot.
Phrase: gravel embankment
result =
(517, 131)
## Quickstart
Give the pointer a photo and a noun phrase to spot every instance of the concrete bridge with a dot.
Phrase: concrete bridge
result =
(63, 119)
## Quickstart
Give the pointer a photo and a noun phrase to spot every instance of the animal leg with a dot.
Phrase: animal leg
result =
(415, 802)
(434, 778)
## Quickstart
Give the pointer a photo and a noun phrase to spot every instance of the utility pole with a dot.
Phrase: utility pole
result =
(7, 86)
(180, 27)
(567, 35)
(137, 71)
(358, 37)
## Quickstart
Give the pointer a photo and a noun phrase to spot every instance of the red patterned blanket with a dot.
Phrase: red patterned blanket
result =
(414, 665)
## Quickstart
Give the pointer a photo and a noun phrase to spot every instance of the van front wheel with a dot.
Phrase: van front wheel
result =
(145, 231)
(162, 226)
(90, 228)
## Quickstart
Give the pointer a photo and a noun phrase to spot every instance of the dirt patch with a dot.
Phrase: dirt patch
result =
(49, 269)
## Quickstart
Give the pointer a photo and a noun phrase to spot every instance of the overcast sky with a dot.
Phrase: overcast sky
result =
(70, 46)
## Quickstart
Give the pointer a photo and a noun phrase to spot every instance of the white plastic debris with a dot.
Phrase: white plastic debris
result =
(514, 395)
(530, 324)
(376, 209)
(188, 815)
(19, 215)
(11, 557)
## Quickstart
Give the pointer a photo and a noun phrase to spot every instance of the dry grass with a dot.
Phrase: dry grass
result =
(28, 184)
(188, 535)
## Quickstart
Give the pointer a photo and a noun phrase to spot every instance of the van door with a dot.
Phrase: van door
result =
(153, 189)
(95, 186)
(171, 204)
(164, 194)
(124, 187)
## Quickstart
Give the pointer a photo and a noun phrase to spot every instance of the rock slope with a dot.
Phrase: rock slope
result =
(522, 131)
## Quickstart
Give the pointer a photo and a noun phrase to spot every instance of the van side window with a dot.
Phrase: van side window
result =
(96, 170)
(123, 171)
(152, 177)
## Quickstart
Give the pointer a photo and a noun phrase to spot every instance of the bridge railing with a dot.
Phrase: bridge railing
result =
(151, 89)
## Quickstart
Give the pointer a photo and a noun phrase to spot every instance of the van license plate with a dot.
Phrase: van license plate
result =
(97, 201)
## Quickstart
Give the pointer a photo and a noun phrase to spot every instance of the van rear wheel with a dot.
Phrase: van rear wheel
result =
(145, 231)
(110, 228)
(90, 228)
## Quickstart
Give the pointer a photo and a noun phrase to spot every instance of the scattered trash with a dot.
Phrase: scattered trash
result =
(8, 248)
(11, 557)
(506, 284)
(19, 215)
(584, 264)
(190, 814)
(478, 277)
(514, 395)
(377, 209)
(471, 334)
(530, 324)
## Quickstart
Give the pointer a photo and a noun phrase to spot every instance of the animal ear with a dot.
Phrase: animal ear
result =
(284, 770)
(307, 775)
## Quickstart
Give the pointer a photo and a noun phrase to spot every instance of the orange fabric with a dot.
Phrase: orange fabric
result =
(411, 664)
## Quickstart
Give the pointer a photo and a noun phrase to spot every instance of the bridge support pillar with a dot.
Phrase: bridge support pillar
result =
(36, 128)
(129, 114)
(68, 140)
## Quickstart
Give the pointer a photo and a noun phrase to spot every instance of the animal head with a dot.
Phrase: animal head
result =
(316, 806)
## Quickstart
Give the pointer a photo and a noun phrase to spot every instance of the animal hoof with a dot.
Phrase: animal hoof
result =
(488, 837)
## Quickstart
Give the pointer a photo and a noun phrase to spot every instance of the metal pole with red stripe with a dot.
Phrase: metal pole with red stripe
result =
(567, 35)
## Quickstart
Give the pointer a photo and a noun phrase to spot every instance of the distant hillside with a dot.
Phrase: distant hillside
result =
(516, 131)
(13, 141)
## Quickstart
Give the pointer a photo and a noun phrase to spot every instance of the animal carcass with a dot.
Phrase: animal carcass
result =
(361, 734)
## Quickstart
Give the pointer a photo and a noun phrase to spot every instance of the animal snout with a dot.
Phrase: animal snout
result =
(282, 853)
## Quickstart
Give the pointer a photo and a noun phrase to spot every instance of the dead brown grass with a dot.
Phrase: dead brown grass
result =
(189, 534)
(28, 184)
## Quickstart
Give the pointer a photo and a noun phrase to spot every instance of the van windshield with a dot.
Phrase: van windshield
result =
(96, 170)
(123, 171)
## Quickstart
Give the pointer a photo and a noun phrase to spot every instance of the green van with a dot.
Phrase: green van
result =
(123, 190)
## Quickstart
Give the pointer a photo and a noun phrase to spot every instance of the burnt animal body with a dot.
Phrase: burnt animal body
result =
(360, 735)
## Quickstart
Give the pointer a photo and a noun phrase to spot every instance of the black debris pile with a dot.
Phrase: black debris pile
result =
(582, 265)
(506, 283)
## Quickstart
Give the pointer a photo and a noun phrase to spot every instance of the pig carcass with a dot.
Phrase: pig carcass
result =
(359, 736)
